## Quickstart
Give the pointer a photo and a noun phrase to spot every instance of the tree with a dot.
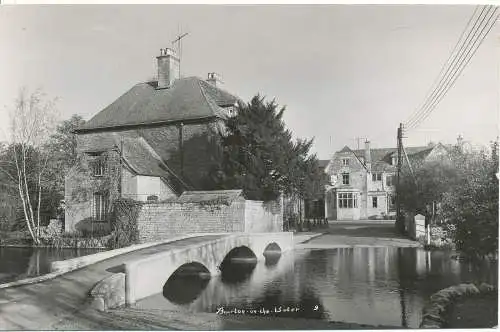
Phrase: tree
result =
(427, 185)
(260, 156)
(61, 147)
(32, 121)
(466, 187)
(472, 205)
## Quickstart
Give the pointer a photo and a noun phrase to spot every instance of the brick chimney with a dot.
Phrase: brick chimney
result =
(368, 156)
(168, 68)
(214, 79)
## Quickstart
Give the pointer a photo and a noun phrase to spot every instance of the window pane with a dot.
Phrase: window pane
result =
(97, 200)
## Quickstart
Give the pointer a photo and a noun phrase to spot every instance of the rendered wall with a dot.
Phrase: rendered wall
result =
(261, 217)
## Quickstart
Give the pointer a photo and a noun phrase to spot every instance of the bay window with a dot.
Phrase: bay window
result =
(347, 200)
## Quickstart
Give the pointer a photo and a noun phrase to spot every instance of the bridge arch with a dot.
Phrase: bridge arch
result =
(147, 276)
(237, 265)
(186, 283)
(272, 248)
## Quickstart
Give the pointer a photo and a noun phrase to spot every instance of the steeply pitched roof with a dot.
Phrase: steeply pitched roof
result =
(385, 154)
(323, 163)
(345, 149)
(143, 160)
(189, 98)
(223, 196)
(376, 154)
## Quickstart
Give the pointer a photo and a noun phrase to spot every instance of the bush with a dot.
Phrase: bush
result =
(465, 189)
(124, 223)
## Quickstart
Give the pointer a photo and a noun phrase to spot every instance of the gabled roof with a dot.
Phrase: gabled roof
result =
(189, 98)
(141, 159)
(385, 154)
(376, 154)
(345, 149)
(381, 158)
(323, 163)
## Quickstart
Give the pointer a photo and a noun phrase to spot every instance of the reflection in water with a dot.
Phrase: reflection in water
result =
(238, 271)
(375, 286)
(272, 259)
(19, 263)
(402, 290)
(186, 284)
(238, 265)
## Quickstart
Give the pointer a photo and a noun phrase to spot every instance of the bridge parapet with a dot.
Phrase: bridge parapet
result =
(147, 276)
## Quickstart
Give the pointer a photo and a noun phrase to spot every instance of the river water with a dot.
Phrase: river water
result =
(374, 286)
(19, 263)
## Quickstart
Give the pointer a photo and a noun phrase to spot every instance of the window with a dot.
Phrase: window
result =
(101, 203)
(388, 180)
(376, 177)
(374, 201)
(345, 178)
(345, 161)
(392, 202)
(348, 200)
(98, 167)
(394, 160)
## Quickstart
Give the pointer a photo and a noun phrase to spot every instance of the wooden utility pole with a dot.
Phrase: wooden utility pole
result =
(399, 219)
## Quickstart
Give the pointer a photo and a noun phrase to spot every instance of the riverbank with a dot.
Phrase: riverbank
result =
(358, 233)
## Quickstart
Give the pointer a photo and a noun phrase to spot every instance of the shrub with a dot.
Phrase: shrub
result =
(124, 223)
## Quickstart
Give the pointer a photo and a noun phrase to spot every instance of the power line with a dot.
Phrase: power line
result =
(436, 82)
(460, 63)
(457, 72)
(451, 66)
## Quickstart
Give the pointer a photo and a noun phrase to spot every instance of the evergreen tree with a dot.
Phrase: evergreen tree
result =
(261, 158)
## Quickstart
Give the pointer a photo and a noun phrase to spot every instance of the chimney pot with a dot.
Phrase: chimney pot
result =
(214, 79)
(368, 155)
(168, 68)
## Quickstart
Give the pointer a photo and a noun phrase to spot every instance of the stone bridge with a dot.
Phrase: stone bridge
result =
(147, 276)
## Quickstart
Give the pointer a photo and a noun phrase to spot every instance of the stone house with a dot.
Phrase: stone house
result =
(362, 182)
(155, 141)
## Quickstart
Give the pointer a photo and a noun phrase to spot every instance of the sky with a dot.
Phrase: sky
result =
(342, 71)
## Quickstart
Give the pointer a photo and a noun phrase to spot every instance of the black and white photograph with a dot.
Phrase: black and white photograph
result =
(230, 166)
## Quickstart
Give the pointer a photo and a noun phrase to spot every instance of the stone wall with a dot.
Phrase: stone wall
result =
(263, 217)
(435, 311)
(80, 185)
(200, 145)
(381, 209)
(157, 221)
(420, 229)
